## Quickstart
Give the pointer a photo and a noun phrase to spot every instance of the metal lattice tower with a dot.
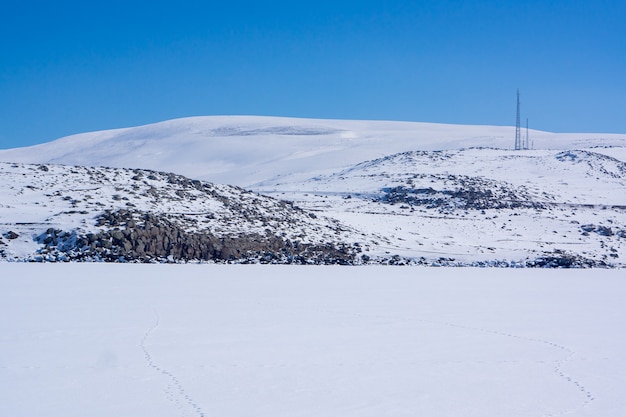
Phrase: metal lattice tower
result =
(527, 142)
(518, 136)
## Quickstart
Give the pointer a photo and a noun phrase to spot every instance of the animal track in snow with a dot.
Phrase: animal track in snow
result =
(174, 391)
(558, 367)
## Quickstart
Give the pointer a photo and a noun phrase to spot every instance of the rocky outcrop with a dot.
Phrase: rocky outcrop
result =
(602, 230)
(10, 235)
(133, 236)
(464, 193)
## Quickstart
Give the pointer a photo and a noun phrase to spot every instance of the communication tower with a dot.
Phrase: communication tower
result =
(518, 136)
(527, 144)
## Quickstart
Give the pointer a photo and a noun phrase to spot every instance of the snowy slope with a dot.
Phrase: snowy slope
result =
(478, 204)
(244, 150)
(82, 211)
(573, 176)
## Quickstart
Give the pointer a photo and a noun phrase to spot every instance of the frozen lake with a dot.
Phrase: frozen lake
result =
(280, 341)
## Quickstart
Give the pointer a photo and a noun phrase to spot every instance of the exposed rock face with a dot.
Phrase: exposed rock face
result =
(146, 237)
(464, 193)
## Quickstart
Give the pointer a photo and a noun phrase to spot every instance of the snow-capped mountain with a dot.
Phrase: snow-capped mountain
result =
(397, 191)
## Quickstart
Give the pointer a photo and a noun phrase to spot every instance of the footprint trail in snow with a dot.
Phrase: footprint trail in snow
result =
(174, 391)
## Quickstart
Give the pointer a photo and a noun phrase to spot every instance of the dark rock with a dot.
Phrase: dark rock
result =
(466, 193)
(11, 235)
(604, 231)
(145, 237)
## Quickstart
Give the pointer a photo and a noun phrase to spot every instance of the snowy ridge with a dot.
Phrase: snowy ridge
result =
(244, 150)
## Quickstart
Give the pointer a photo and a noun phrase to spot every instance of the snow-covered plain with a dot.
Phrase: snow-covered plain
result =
(241, 340)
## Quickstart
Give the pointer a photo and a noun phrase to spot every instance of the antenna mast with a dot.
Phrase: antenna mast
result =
(527, 145)
(518, 138)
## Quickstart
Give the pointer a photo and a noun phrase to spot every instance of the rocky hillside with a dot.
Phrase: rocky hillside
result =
(480, 206)
(55, 212)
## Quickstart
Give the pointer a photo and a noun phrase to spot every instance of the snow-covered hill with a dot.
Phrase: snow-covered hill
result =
(478, 204)
(416, 192)
(56, 212)
(244, 150)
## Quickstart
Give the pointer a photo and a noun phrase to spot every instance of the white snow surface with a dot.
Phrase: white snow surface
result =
(105, 340)
(245, 150)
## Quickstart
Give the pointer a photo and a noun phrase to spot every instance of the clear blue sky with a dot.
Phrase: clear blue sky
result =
(68, 67)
